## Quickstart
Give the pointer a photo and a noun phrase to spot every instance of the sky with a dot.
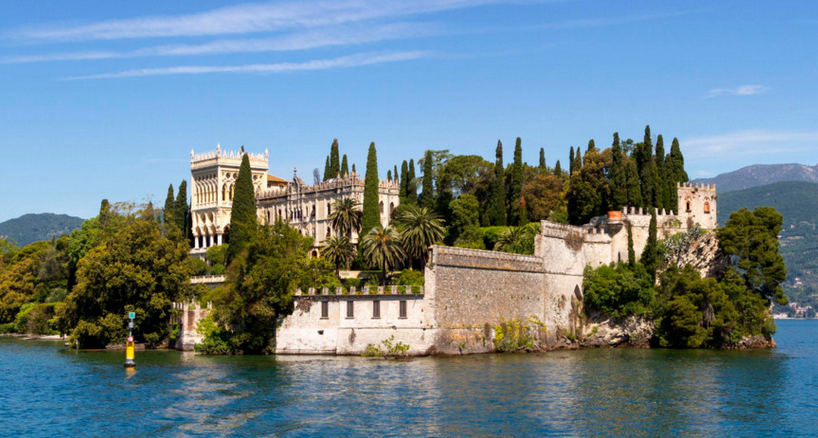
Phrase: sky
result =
(106, 99)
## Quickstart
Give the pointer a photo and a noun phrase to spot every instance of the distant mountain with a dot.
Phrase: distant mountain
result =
(30, 228)
(798, 202)
(761, 174)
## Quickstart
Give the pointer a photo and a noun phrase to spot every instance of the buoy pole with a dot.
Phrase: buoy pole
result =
(129, 347)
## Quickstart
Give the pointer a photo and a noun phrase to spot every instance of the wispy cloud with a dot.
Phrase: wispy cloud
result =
(750, 142)
(741, 90)
(337, 36)
(612, 21)
(242, 19)
(356, 60)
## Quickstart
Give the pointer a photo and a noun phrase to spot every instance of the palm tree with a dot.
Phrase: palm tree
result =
(346, 216)
(420, 228)
(519, 240)
(338, 250)
(382, 248)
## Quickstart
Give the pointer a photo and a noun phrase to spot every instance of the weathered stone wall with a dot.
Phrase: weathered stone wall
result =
(306, 331)
(189, 314)
(475, 290)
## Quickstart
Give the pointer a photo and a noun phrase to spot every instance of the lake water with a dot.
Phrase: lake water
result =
(48, 390)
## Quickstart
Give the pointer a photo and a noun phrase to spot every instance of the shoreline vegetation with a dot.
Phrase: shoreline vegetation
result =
(135, 258)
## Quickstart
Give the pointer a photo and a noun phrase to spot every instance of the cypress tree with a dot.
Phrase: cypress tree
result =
(632, 183)
(571, 162)
(646, 168)
(344, 166)
(170, 206)
(444, 197)
(395, 173)
(497, 203)
(327, 169)
(650, 255)
(542, 159)
(243, 220)
(557, 168)
(676, 172)
(577, 161)
(661, 174)
(427, 191)
(389, 175)
(517, 179)
(180, 208)
(371, 214)
(618, 175)
(404, 176)
(631, 251)
(334, 160)
(591, 146)
(353, 167)
(411, 184)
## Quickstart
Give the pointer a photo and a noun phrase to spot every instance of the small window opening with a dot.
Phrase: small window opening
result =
(402, 314)
(376, 309)
(324, 309)
(350, 309)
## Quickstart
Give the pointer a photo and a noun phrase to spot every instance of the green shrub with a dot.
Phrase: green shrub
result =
(618, 291)
(411, 277)
(216, 339)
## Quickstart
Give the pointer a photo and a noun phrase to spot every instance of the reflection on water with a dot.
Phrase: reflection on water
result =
(48, 390)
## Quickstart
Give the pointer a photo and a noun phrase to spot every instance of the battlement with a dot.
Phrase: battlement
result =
(483, 259)
(696, 186)
(363, 292)
(207, 157)
(560, 231)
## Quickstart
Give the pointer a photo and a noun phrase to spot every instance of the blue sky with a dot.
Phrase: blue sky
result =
(106, 99)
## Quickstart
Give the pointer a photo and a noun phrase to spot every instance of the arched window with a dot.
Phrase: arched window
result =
(391, 208)
(381, 205)
(688, 207)
(706, 208)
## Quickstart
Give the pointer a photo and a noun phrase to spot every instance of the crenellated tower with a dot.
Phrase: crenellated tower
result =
(697, 204)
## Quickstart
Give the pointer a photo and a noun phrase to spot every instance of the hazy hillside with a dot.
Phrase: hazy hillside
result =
(798, 202)
(761, 174)
(33, 227)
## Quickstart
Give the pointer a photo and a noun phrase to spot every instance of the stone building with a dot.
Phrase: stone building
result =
(306, 207)
(469, 294)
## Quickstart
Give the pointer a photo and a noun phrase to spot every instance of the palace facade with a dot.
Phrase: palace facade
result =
(305, 207)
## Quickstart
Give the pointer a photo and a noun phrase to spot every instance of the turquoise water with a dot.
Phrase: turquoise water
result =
(47, 390)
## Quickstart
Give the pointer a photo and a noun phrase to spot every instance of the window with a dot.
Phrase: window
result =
(688, 206)
(381, 206)
(376, 309)
(402, 314)
(706, 208)
(324, 309)
(350, 309)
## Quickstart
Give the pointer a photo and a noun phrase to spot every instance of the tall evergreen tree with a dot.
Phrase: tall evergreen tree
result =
(516, 189)
(344, 166)
(676, 171)
(427, 198)
(395, 173)
(646, 167)
(327, 170)
(542, 159)
(577, 161)
(411, 184)
(389, 175)
(618, 175)
(243, 219)
(571, 161)
(591, 146)
(650, 255)
(631, 251)
(557, 168)
(661, 174)
(372, 214)
(404, 177)
(170, 206)
(334, 160)
(497, 203)
(353, 167)
(632, 183)
(180, 209)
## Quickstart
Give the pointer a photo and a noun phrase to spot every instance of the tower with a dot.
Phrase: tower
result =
(697, 204)
(213, 176)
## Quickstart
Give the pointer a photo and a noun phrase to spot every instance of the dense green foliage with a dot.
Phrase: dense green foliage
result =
(382, 248)
(30, 228)
(243, 219)
(371, 210)
(346, 217)
(695, 312)
(419, 229)
(427, 197)
(497, 202)
(797, 201)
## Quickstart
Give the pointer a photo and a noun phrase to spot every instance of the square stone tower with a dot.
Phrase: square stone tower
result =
(697, 204)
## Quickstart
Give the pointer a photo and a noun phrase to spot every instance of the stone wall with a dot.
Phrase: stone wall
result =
(309, 331)
(187, 316)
